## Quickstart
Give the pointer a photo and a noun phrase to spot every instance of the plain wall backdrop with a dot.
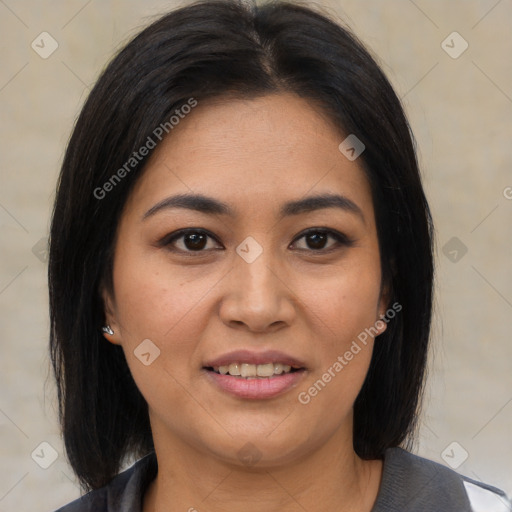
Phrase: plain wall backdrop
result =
(459, 102)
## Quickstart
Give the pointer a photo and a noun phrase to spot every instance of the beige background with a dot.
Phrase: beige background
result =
(461, 112)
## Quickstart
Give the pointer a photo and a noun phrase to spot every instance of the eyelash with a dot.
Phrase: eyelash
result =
(341, 240)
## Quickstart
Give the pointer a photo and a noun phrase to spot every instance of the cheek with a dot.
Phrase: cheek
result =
(156, 302)
(345, 301)
(167, 308)
(345, 308)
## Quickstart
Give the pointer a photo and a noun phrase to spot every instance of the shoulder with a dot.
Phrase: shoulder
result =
(123, 493)
(413, 483)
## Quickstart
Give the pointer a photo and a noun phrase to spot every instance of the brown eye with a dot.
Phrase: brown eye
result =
(195, 241)
(190, 240)
(317, 240)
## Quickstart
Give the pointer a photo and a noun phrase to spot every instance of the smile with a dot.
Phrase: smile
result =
(250, 384)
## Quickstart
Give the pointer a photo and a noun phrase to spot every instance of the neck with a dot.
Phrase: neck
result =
(332, 477)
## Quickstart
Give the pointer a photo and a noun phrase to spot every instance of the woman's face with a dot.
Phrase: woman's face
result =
(248, 277)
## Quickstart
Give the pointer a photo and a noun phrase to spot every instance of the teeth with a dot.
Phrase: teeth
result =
(234, 369)
(253, 370)
(248, 370)
(264, 370)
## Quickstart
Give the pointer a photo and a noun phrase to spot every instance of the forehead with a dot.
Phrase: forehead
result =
(253, 152)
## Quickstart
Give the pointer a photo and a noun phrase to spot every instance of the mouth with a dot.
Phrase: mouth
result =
(255, 375)
(255, 382)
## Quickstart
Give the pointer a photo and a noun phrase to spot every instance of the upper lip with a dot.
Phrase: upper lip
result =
(252, 357)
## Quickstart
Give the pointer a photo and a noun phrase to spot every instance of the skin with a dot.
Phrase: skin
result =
(309, 302)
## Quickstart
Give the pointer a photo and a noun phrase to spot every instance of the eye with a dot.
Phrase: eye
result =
(189, 240)
(317, 238)
(195, 240)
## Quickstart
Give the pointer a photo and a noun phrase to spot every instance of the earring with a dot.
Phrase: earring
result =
(107, 329)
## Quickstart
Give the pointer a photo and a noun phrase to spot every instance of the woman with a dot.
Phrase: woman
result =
(241, 276)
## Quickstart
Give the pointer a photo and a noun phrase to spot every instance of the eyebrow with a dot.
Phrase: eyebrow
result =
(212, 206)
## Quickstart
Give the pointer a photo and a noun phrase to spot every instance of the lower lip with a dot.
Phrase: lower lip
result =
(256, 388)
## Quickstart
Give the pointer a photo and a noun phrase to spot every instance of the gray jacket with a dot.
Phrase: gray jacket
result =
(409, 484)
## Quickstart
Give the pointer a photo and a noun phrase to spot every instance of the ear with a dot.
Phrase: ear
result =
(110, 317)
(383, 306)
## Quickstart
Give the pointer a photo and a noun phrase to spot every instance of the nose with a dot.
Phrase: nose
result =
(257, 296)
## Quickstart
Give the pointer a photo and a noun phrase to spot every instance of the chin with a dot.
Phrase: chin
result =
(257, 449)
